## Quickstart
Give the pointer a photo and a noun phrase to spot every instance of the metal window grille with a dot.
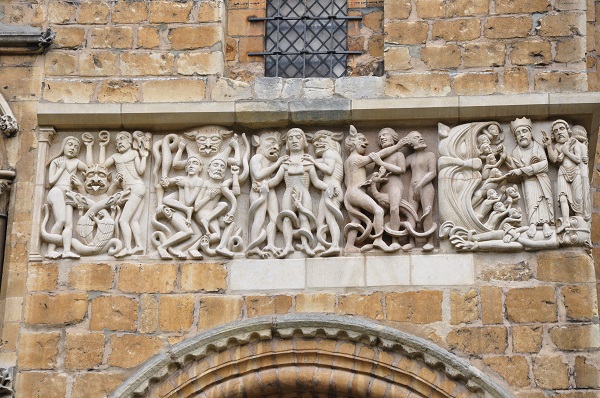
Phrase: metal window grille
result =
(305, 38)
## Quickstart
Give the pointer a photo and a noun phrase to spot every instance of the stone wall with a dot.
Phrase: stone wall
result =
(74, 329)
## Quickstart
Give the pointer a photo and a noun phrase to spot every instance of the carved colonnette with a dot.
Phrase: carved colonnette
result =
(212, 192)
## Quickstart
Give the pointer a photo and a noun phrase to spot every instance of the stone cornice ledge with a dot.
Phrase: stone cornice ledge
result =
(262, 113)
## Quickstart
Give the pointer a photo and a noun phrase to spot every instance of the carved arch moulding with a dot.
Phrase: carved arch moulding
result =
(223, 191)
(322, 355)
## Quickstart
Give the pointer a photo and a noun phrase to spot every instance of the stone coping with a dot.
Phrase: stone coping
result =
(280, 113)
(307, 325)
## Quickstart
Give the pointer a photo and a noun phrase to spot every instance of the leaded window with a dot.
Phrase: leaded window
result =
(306, 38)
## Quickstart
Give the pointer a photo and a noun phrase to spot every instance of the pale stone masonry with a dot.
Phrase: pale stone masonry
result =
(75, 328)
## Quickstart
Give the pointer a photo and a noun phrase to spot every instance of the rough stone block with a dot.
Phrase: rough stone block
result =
(460, 8)
(491, 305)
(318, 88)
(248, 45)
(475, 83)
(169, 11)
(238, 25)
(531, 52)
(441, 56)
(315, 302)
(396, 58)
(267, 305)
(84, 350)
(193, 37)
(115, 37)
(60, 12)
(359, 87)
(210, 11)
(397, 9)
(479, 340)
(69, 37)
(324, 112)
(464, 307)
(527, 339)
(129, 12)
(418, 85)
(148, 37)
(41, 384)
(264, 275)
(420, 307)
(570, 50)
(457, 30)
(507, 27)
(563, 24)
(442, 270)
(93, 12)
(96, 385)
(335, 272)
(209, 63)
(148, 313)
(114, 313)
(63, 308)
(406, 32)
(551, 372)
(431, 8)
(516, 80)
(125, 90)
(217, 310)
(576, 337)
(42, 277)
(563, 266)
(38, 350)
(268, 88)
(98, 64)
(536, 304)
(176, 312)
(513, 369)
(369, 306)
(147, 278)
(88, 277)
(203, 277)
(142, 64)
(579, 302)
(174, 90)
(587, 375)
(128, 350)
(483, 54)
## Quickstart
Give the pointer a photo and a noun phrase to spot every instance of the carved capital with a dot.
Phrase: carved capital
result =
(46, 134)
(8, 126)
(6, 382)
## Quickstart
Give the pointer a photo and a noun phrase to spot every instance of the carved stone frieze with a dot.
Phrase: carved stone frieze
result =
(214, 192)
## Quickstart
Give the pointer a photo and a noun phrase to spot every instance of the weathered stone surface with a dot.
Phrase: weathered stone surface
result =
(396, 58)
(148, 313)
(579, 302)
(369, 306)
(248, 45)
(267, 305)
(129, 12)
(359, 87)
(316, 302)
(483, 54)
(141, 64)
(418, 85)
(42, 384)
(457, 29)
(513, 369)
(147, 278)
(536, 304)
(551, 372)
(562, 266)
(570, 50)
(91, 277)
(115, 37)
(57, 309)
(148, 37)
(397, 9)
(459, 8)
(68, 91)
(114, 313)
(491, 305)
(128, 351)
(238, 25)
(169, 11)
(475, 83)
(38, 350)
(420, 307)
(210, 11)
(521, 271)
(93, 12)
(42, 276)
(406, 32)
(230, 90)
(217, 310)
(176, 312)
(479, 340)
(203, 277)
(464, 307)
(527, 339)
(200, 63)
(522, 7)
(193, 37)
(437, 57)
(98, 63)
(69, 37)
(576, 337)
(507, 27)
(531, 52)
(61, 12)
(563, 24)
(587, 375)
(174, 90)
(125, 90)
(84, 350)
(96, 385)
(431, 8)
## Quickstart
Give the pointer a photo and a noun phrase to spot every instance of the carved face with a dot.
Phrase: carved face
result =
(512, 192)
(417, 141)
(296, 140)
(216, 169)
(499, 206)
(193, 166)
(485, 149)
(492, 194)
(560, 131)
(269, 146)
(323, 143)
(123, 142)
(71, 148)
(386, 138)
(493, 130)
(523, 136)
(361, 144)
(96, 179)
(209, 143)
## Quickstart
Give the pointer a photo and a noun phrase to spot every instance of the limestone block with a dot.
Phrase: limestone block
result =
(147, 278)
(440, 270)
(41, 384)
(93, 12)
(570, 50)
(128, 350)
(142, 64)
(569, 267)
(125, 90)
(267, 305)
(97, 63)
(365, 305)
(148, 313)
(396, 58)
(464, 308)
(148, 36)
(84, 350)
(194, 37)
(551, 372)
(441, 56)
(114, 313)
(397, 9)
(563, 24)
(250, 45)
(217, 310)
(315, 302)
(205, 277)
(536, 304)
(579, 302)
(483, 54)
(267, 274)
(513, 369)
(418, 85)
(129, 12)
(373, 20)
(406, 32)
(491, 305)
(420, 307)
(587, 375)
(115, 37)
(91, 277)
(168, 11)
(576, 337)
(387, 271)
(335, 272)
(463, 29)
(522, 7)
(527, 339)
(210, 11)
(531, 52)
(174, 90)
(475, 83)
(230, 90)
(479, 340)
(63, 308)
(431, 8)
(238, 25)
(60, 12)
(96, 385)
(69, 37)
(515, 80)
(38, 350)
(324, 112)
(176, 312)
(507, 27)
(42, 276)
(268, 88)
(318, 88)
(468, 7)
(201, 64)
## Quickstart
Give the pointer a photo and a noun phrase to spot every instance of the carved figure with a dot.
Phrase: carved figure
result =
(131, 166)
(529, 163)
(263, 200)
(580, 134)
(357, 199)
(62, 178)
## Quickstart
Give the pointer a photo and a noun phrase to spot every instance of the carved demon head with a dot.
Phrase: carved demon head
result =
(96, 179)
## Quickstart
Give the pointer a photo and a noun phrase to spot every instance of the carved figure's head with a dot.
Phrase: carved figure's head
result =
(515, 212)
(416, 140)
(512, 192)
(387, 137)
(561, 131)
(96, 179)
(268, 144)
(193, 165)
(324, 140)
(217, 168)
(492, 194)
(356, 142)
(485, 148)
(295, 140)
(209, 139)
(499, 206)
(493, 130)
(523, 131)
(579, 133)
(70, 147)
(123, 141)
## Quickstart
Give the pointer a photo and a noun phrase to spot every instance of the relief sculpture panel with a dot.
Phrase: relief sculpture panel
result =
(215, 192)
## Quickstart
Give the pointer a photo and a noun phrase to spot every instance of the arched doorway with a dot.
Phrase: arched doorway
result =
(307, 356)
